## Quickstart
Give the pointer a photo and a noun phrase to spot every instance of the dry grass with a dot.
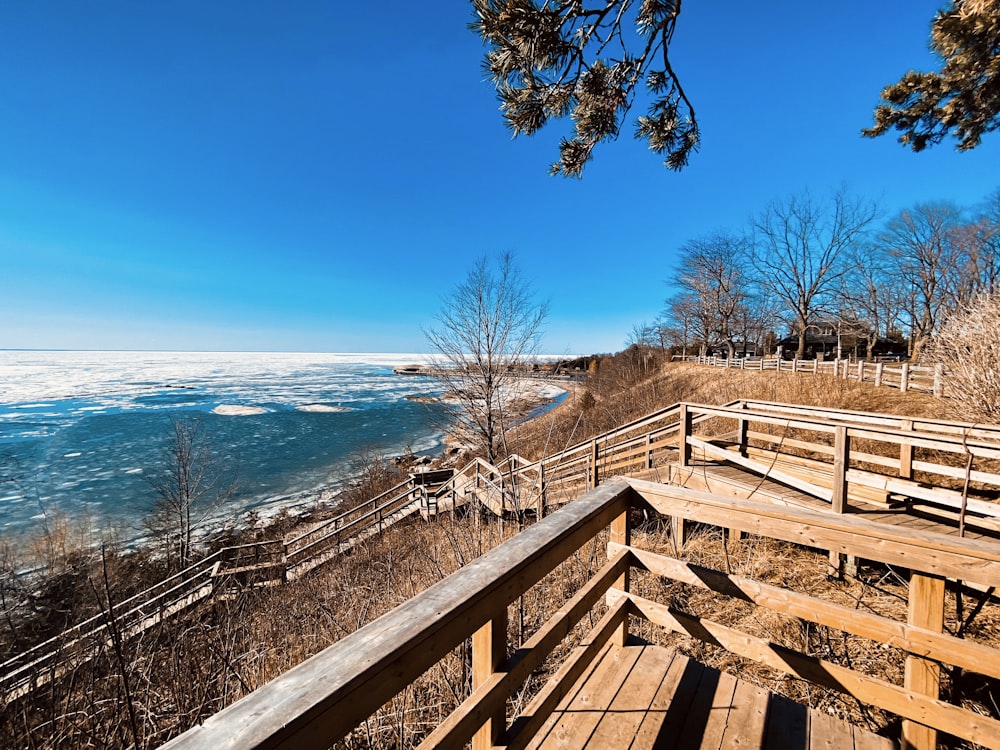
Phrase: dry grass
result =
(186, 670)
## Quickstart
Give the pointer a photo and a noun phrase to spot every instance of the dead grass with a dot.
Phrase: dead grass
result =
(196, 664)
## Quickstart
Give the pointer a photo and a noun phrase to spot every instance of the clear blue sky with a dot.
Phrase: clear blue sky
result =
(314, 176)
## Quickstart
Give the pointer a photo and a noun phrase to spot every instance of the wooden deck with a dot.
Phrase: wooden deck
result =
(645, 697)
(735, 481)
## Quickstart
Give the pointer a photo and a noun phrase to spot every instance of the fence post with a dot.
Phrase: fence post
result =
(906, 452)
(683, 430)
(925, 609)
(841, 461)
(593, 463)
(541, 493)
(861, 371)
(795, 364)
(847, 369)
(938, 380)
(836, 367)
(878, 374)
(621, 533)
(904, 377)
(489, 652)
(743, 428)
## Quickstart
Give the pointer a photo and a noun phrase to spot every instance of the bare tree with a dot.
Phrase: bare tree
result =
(191, 485)
(873, 294)
(922, 243)
(713, 272)
(487, 330)
(800, 249)
(979, 245)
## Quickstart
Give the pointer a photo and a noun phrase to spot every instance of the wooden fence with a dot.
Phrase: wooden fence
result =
(902, 376)
(322, 700)
(257, 563)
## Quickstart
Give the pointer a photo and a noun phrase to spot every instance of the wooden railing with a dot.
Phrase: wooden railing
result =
(328, 536)
(640, 448)
(257, 563)
(903, 376)
(829, 457)
(321, 701)
(50, 659)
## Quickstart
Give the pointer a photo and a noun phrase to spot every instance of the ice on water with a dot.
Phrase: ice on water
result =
(80, 431)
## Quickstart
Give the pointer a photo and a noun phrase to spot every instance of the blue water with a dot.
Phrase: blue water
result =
(82, 433)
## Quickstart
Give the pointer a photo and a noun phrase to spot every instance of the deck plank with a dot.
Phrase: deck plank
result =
(706, 720)
(576, 718)
(747, 719)
(670, 706)
(826, 732)
(865, 740)
(646, 697)
(619, 725)
(787, 725)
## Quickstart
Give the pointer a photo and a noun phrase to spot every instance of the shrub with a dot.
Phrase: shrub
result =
(968, 344)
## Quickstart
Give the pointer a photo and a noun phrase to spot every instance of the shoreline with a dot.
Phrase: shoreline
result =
(541, 400)
(295, 510)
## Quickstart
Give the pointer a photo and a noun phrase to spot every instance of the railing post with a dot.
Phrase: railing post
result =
(878, 374)
(904, 377)
(621, 533)
(841, 461)
(743, 429)
(541, 490)
(593, 464)
(938, 380)
(683, 430)
(649, 451)
(489, 652)
(906, 453)
(925, 609)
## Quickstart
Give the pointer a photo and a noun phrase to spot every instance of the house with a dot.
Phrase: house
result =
(830, 339)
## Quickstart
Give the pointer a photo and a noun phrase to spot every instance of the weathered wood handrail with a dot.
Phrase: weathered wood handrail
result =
(38, 664)
(320, 701)
(897, 442)
(325, 697)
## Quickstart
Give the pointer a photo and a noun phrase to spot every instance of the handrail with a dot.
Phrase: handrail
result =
(325, 696)
(339, 518)
(133, 612)
(320, 701)
(924, 424)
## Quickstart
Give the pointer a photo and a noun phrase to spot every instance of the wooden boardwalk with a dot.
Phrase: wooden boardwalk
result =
(644, 697)
(735, 481)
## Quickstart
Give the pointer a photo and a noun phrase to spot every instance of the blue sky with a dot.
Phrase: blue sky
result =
(315, 176)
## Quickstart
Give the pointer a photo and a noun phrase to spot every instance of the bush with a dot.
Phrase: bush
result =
(968, 344)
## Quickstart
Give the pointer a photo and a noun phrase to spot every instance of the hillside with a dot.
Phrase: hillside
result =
(152, 687)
